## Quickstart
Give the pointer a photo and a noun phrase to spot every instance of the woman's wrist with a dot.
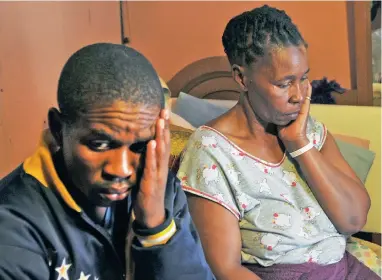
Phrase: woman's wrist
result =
(292, 146)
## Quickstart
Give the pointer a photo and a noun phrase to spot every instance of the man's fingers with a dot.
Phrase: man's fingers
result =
(150, 169)
(167, 132)
(160, 149)
(163, 153)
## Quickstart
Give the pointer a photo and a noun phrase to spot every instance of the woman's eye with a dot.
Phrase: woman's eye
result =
(304, 78)
(99, 145)
(284, 85)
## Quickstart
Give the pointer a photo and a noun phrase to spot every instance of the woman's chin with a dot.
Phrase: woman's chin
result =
(283, 122)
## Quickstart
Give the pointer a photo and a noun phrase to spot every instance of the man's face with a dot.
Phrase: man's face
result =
(103, 149)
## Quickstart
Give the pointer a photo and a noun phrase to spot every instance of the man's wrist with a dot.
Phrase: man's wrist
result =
(150, 221)
(158, 235)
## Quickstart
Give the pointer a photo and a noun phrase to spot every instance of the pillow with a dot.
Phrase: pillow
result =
(166, 92)
(222, 103)
(364, 143)
(177, 120)
(359, 159)
(196, 111)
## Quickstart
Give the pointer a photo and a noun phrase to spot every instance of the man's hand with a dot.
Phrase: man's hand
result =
(149, 208)
(293, 135)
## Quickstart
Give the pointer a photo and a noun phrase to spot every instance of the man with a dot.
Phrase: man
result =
(98, 201)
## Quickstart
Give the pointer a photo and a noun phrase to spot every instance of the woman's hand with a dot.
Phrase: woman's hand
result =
(293, 135)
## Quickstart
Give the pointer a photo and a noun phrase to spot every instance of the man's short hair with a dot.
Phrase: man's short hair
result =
(103, 73)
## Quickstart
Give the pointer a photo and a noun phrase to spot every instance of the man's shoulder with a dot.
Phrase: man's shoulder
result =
(175, 196)
(173, 185)
(22, 210)
(20, 192)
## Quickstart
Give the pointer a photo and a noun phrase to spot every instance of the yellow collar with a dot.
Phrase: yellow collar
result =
(40, 166)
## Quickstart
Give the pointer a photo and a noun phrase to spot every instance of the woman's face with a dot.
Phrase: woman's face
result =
(278, 83)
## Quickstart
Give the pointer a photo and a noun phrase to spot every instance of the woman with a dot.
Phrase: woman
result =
(269, 191)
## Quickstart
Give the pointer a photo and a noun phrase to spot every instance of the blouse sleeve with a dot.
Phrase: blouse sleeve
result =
(201, 171)
(316, 133)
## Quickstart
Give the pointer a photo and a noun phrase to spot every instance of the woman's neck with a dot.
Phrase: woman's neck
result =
(257, 127)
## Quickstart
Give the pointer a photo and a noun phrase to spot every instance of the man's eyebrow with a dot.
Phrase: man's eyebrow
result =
(100, 133)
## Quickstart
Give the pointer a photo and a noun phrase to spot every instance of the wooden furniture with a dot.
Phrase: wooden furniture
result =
(211, 78)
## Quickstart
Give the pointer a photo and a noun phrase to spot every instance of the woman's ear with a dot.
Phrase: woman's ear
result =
(55, 122)
(239, 77)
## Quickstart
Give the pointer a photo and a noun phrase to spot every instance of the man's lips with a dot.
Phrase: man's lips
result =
(115, 189)
(115, 196)
(116, 193)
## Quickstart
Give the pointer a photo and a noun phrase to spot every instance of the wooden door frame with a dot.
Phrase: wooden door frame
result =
(359, 30)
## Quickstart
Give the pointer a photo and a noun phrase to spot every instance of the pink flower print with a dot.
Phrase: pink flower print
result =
(210, 174)
(238, 155)
(243, 200)
(281, 220)
(309, 213)
(263, 168)
(290, 178)
(270, 241)
(209, 141)
(312, 256)
(313, 138)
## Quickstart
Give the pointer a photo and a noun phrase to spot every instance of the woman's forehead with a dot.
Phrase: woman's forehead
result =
(283, 61)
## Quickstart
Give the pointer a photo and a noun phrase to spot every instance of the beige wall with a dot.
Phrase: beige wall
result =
(36, 38)
(174, 34)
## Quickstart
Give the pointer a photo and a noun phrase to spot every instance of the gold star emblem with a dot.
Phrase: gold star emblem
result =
(63, 270)
(83, 276)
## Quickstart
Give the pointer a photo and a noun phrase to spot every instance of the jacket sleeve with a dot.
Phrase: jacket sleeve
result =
(18, 258)
(18, 263)
(181, 257)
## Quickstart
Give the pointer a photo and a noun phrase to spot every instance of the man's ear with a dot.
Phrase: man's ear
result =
(56, 125)
(239, 77)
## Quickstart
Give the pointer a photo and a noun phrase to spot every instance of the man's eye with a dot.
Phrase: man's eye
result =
(99, 145)
(139, 147)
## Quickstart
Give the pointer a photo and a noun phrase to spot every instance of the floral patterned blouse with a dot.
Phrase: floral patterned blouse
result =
(280, 219)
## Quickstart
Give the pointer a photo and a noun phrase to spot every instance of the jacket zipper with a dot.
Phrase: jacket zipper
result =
(106, 236)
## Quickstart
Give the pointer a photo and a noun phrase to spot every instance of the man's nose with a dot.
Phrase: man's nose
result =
(119, 165)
